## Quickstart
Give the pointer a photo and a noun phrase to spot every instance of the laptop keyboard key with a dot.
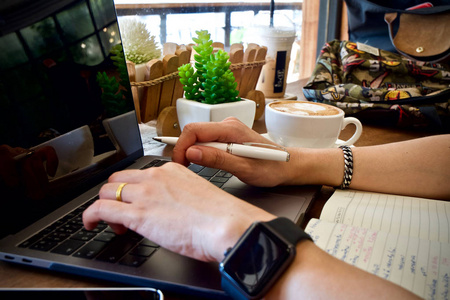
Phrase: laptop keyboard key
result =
(44, 245)
(195, 168)
(90, 250)
(119, 247)
(160, 163)
(143, 251)
(105, 237)
(219, 179)
(208, 172)
(151, 164)
(99, 228)
(147, 242)
(223, 174)
(83, 235)
(31, 241)
(57, 236)
(68, 247)
(132, 260)
(69, 228)
(218, 184)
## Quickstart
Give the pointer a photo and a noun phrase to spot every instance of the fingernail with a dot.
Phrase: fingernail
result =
(194, 154)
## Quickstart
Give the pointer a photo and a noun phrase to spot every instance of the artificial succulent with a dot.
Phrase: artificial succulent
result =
(211, 81)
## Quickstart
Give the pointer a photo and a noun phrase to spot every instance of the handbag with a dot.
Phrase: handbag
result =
(420, 34)
(381, 87)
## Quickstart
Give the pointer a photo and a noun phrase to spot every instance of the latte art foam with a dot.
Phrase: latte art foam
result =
(304, 108)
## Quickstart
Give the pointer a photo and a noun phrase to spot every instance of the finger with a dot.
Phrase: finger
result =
(215, 158)
(117, 228)
(112, 212)
(117, 191)
(137, 176)
(129, 176)
(229, 130)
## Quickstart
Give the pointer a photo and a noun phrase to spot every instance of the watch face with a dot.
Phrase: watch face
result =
(259, 254)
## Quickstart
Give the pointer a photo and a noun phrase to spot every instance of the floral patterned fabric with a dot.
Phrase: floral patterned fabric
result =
(360, 78)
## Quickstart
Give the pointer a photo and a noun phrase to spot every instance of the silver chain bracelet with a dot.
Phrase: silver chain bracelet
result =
(348, 167)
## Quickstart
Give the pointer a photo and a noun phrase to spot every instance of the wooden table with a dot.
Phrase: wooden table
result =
(18, 276)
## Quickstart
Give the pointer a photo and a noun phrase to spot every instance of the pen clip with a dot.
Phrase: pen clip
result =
(263, 145)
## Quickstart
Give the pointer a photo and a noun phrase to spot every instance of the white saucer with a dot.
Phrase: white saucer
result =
(266, 135)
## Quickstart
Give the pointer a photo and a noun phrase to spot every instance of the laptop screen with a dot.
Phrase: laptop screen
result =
(66, 111)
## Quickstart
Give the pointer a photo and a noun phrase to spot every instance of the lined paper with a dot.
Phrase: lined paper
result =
(419, 265)
(403, 239)
(401, 215)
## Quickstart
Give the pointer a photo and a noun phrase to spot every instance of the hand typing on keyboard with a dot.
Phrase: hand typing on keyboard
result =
(173, 199)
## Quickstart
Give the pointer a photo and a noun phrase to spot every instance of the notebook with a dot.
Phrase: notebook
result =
(405, 240)
(64, 97)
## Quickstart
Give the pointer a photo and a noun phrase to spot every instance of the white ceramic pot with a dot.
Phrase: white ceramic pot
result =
(189, 111)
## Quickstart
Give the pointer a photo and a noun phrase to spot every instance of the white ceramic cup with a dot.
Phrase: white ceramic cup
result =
(308, 124)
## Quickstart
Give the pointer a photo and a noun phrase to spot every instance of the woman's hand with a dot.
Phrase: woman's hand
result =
(255, 172)
(176, 209)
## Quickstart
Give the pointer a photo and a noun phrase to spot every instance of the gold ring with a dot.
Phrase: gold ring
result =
(119, 191)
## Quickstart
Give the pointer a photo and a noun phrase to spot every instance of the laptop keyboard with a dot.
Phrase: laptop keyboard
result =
(215, 176)
(67, 236)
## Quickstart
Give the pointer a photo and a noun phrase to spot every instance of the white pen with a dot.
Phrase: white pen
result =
(251, 150)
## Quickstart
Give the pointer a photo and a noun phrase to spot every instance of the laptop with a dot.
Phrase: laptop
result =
(67, 122)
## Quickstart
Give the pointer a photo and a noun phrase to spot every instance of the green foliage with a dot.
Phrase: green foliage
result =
(114, 91)
(211, 81)
(191, 84)
(118, 58)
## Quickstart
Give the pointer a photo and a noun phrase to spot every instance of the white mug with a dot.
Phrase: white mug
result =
(308, 124)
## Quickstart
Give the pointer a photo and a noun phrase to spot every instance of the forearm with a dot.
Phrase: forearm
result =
(315, 274)
(418, 167)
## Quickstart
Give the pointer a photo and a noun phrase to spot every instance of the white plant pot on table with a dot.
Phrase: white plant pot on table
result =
(189, 111)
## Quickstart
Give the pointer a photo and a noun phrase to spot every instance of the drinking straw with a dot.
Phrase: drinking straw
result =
(272, 8)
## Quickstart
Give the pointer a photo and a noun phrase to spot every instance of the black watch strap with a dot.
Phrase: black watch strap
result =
(290, 231)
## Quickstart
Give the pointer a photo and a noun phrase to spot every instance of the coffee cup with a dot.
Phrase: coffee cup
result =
(308, 124)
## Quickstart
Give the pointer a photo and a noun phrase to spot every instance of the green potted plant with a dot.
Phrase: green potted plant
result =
(210, 88)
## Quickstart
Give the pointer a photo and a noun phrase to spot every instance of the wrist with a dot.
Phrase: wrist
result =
(233, 227)
(287, 286)
(315, 167)
(227, 235)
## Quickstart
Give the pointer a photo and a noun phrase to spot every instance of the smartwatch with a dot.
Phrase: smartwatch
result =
(260, 257)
